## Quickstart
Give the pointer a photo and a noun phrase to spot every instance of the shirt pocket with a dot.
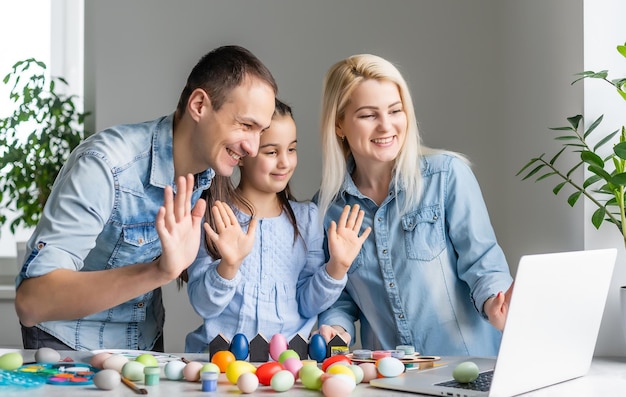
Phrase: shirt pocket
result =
(139, 243)
(357, 263)
(423, 233)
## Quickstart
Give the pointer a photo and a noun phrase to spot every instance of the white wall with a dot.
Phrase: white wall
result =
(604, 30)
(488, 79)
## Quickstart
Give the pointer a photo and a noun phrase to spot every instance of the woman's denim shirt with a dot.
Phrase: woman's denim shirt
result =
(101, 215)
(422, 278)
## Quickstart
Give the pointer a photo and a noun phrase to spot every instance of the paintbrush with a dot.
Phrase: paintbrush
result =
(134, 387)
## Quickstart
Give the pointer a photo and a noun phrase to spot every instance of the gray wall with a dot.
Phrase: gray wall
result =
(488, 78)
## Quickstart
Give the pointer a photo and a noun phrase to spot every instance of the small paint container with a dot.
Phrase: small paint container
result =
(378, 354)
(407, 349)
(152, 375)
(397, 353)
(362, 354)
(209, 380)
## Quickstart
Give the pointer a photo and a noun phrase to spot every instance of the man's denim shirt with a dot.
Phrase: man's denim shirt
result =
(101, 215)
(422, 278)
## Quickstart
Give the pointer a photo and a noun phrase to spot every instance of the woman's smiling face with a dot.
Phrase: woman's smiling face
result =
(374, 122)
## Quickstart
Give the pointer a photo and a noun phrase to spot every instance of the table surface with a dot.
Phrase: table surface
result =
(607, 376)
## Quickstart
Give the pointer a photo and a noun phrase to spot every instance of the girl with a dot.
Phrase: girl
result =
(263, 269)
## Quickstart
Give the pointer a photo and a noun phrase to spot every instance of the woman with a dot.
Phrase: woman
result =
(431, 274)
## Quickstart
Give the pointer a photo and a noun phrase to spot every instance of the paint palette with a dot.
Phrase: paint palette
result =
(66, 374)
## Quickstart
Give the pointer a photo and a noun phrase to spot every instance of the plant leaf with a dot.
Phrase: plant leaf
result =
(571, 200)
(619, 179)
(558, 187)
(593, 126)
(598, 217)
(591, 158)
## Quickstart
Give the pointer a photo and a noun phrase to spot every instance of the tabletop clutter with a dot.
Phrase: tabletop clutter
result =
(314, 364)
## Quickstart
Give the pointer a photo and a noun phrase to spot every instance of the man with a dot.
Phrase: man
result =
(113, 231)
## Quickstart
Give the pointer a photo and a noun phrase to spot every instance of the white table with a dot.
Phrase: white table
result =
(607, 376)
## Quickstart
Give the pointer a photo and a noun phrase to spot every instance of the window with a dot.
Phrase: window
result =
(52, 32)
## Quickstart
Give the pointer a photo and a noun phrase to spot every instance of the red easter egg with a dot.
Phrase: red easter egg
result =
(265, 371)
(334, 359)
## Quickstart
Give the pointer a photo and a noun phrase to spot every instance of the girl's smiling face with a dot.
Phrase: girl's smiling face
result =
(271, 169)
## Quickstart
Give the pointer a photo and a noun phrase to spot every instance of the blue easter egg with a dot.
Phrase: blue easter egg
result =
(317, 348)
(239, 346)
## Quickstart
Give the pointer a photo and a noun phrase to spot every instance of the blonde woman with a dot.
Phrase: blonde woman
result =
(431, 274)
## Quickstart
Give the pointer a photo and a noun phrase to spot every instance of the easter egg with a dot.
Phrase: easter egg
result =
(335, 359)
(47, 355)
(311, 377)
(11, 361)
(115, 361)
(133, 370)
(465, 372)
(209, 367)
(191, 372)
(173, 370)
(293, 365)
(239, 346)
(237, 368)
(147, 359)
(369, 371)
(107, 379)
(222, 359)
(265, 371)
(317, 348)
(358, 373)
(247, 383)
(287, 354)
(282, 380)
(341, 369)
(278, 344)
(338, 386)
(389, 367)
(97, 359)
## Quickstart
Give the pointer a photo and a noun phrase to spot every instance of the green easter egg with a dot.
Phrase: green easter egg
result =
(147, 359)
(11, 361)
(465, 372)
(287, 354)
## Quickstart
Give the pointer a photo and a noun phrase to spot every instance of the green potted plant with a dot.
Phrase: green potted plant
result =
(605, 187)
(35, 141)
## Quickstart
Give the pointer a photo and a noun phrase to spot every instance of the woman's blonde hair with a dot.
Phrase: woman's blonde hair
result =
(340, 81)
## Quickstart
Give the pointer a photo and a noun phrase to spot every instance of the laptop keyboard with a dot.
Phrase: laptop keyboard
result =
(482, 383)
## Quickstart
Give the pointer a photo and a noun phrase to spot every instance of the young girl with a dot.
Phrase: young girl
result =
(262, 270)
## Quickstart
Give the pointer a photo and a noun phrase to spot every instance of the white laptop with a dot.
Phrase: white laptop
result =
(550, 333)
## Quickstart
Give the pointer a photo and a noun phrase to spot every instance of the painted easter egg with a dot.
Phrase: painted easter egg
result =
(11, 361)
(317, 348)
(47, 355)
(240, 347)
(465, 372)
(265, 371)
(282, 380)
(173, 370)
(390, 367)
(247, 383)
(107, 379)
(335, 359)
(133, 370)
(278, 344)
(237, 368)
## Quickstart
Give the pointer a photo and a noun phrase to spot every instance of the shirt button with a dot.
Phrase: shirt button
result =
(435, 218)
(140, 304)
(401, 316)
(380, 219)
(140, 241)
(385, 252)
(391, 285)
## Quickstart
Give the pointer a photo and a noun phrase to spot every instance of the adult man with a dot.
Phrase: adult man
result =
(112, 231)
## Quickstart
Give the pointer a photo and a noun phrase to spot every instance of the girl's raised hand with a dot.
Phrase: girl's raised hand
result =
(231, 241)
(344, 241)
